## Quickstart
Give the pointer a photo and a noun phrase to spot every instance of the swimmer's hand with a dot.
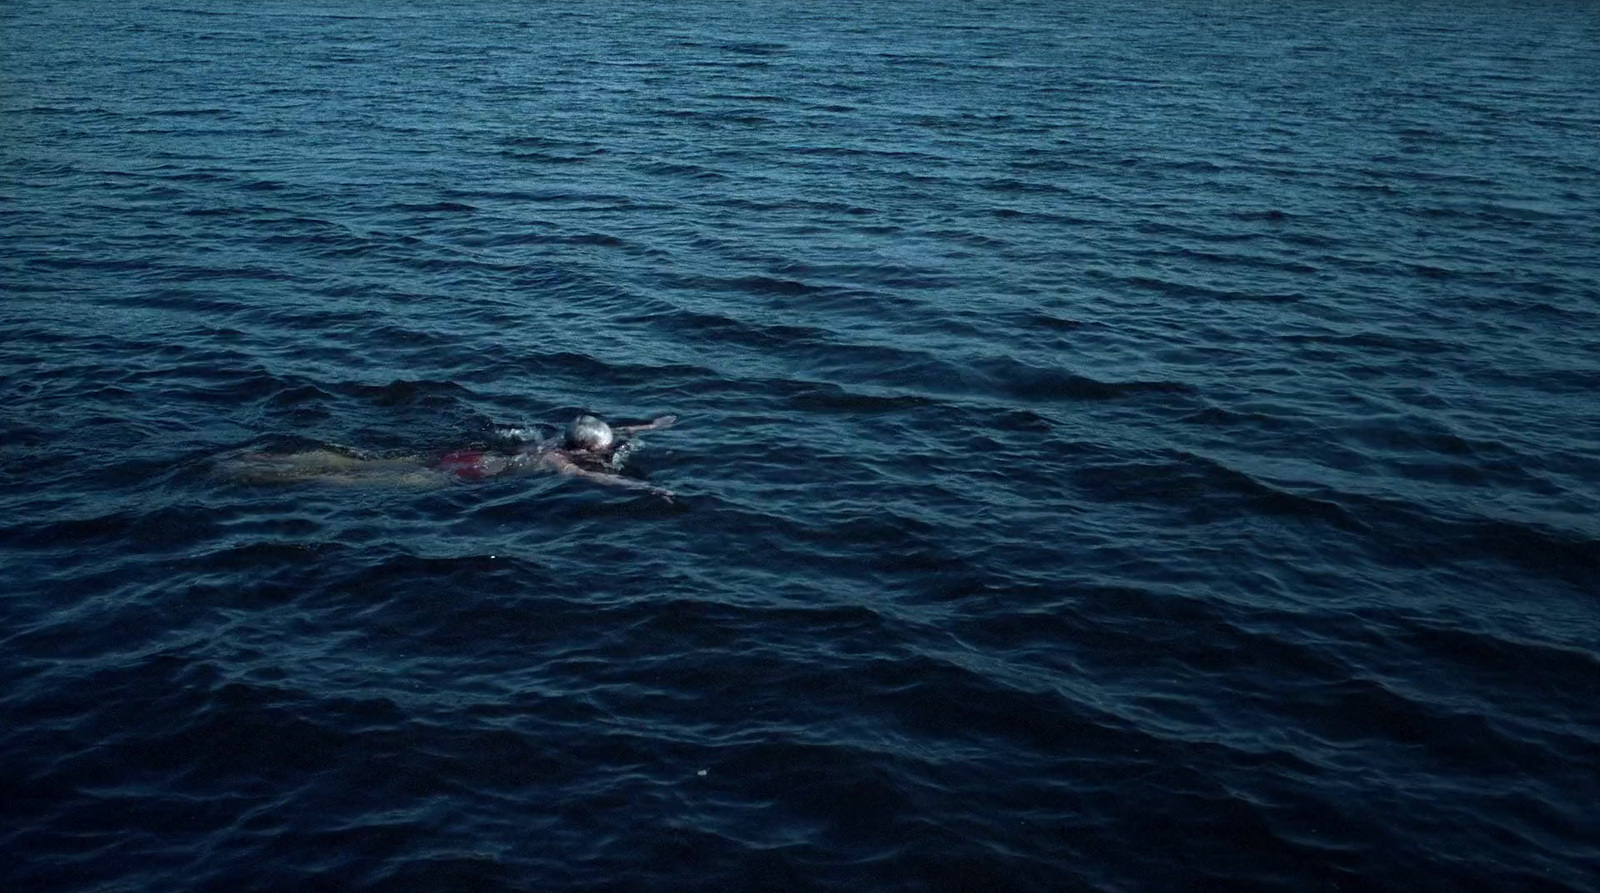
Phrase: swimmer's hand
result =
(666, 421)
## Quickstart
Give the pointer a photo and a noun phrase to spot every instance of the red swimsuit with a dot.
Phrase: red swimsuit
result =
(465, 464)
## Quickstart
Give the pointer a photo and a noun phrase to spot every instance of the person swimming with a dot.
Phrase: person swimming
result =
(587, 448)
(591, 449)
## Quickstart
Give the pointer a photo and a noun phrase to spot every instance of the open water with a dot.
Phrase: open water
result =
(1123, 446)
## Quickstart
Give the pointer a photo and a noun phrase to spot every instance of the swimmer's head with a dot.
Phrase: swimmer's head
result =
(589, 433)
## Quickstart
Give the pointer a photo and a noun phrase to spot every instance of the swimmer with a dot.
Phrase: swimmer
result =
(587, 448)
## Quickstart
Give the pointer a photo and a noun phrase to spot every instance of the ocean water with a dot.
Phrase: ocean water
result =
(1121, 447)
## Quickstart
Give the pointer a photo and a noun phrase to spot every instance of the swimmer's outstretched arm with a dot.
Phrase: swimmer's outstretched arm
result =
(562, 465)
(666, 421)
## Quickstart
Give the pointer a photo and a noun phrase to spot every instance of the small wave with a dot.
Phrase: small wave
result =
(434, 207)
(754, 48)
(545, 157)
(692, 171)
(823, 397)
(1205, 489)
(420, 392)
(728, 330)
(766, 285)
(193, 113)
(1030, 382)
(163, 529)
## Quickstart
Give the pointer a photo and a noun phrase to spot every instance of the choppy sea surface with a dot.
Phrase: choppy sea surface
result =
(1122, 446)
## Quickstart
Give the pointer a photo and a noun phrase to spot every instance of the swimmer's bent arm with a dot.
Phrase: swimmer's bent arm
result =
(562, 465)
(666, 421)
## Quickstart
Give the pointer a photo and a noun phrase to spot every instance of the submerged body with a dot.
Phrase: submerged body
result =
(588, 448)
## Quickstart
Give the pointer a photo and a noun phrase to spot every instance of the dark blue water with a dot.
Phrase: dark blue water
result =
(1123, 446)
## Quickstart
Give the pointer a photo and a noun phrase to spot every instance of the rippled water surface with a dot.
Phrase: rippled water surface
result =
(1122, 446)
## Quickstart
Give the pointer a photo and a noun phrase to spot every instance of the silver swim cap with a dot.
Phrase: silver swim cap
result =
(589, 433)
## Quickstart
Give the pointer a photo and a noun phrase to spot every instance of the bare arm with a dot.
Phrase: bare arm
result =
(666, 421)
(562, 465)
